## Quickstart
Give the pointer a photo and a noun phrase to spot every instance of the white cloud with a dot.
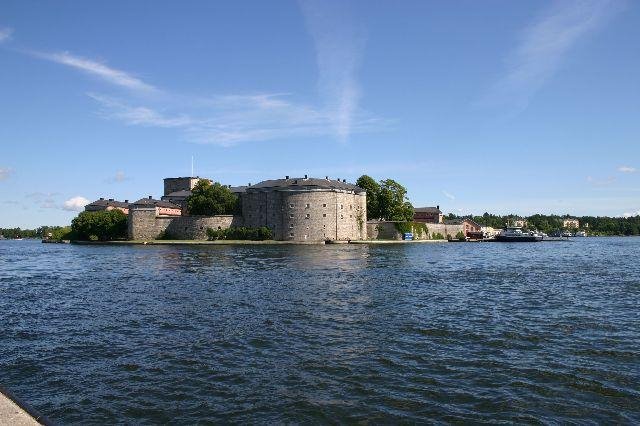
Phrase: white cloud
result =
(5, 34)
(75, 204)
(601, 182)
(448, 195)
(231, 119)
(544, 45)
(631, 214)
(627, 169)
(98, 69)
(5, 173)
(339, 46)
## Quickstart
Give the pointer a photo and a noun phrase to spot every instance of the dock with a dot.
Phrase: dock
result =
(15, 413)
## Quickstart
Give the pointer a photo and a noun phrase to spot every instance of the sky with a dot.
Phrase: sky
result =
(494, 106)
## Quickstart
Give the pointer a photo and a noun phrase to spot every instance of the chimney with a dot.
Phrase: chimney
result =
(150, 197)
(344, 181)
(305, 176)
(438, 207)
(286, 177)
(126, 201)
(110, 199)
(249, 183)
(102, 198)
(326, 177)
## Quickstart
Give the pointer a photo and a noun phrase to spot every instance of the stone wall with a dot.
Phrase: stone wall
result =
(388, 231)
(144, 225)
(195, 227)
(307, 215)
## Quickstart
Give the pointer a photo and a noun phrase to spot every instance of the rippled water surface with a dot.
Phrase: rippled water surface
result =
(546, 332)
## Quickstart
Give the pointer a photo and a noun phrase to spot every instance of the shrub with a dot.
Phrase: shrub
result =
(437, 236)
(461, 236)
(240, 233)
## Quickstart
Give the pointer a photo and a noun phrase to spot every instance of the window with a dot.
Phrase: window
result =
(291, 235)
(350, 216)
(291, 226)
(305, 236)
(324, 215)
(341, 217)
(324, 226)
(307, 216)
(306, 206)
(324, 205)
(341, 206)
(290, 206)
(291, 215)
(350, 207)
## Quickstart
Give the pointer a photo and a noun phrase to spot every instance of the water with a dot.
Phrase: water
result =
(533, 333)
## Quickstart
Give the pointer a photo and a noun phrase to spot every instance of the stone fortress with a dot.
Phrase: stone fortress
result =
(295, 209)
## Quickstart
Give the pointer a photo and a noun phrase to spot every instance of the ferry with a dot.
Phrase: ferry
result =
(516, 234)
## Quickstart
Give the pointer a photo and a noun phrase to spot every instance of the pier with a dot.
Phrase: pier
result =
(14, 412)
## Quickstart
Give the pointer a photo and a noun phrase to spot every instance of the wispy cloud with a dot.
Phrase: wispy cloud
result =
(543, 46)
(5, 34)
(627, 169)
(230, 119)
(339, 43)
(75, 204)
(5, 173)
(448, 195)
(601, 182)
(631, 214)
(98, 69)
(119, 177)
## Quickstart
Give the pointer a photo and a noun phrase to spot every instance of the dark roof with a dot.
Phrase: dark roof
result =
(184, 193)
(460, 221)
(108, 203)
(304, 183)
(427, 210)
(150, 202)
(238, 189)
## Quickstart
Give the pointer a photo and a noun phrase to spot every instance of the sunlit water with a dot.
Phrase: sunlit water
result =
(545, 332)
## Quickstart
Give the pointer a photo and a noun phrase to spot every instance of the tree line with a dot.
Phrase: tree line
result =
(593, 225)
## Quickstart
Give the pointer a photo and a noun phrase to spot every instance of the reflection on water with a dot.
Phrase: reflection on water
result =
(444, 332)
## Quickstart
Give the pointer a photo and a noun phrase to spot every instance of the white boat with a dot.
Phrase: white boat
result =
(516, 234)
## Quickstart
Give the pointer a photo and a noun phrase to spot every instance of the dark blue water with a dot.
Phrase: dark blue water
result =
(527, 333)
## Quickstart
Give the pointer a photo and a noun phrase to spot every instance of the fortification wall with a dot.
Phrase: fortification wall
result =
(195, 227)
(388, 231)
(143, 224)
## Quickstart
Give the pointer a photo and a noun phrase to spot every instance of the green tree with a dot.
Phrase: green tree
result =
(209, 200)
(373, 190)
(386, 199)
(103, 225)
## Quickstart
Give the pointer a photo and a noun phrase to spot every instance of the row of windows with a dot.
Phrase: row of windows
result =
(306, 206)
(308, 216)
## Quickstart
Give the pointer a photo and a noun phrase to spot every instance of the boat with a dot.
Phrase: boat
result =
(567, 234)
(581, 234)
(516, 234)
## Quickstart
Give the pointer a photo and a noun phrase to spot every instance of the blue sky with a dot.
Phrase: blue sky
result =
(499, 106)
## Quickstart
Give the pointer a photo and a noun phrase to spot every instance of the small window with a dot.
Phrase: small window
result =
(290, 206)
(305, 236)
(324, 215)
(324, 205)
(341, 206)
(291, 215)
(350, 207)
(306, 206)
(341, 216)
(307, 216)
(291, 235)
(350, 216)
(324, 226)
(291, 226)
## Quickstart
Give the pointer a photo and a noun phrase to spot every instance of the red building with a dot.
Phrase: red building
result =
(428, 215)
